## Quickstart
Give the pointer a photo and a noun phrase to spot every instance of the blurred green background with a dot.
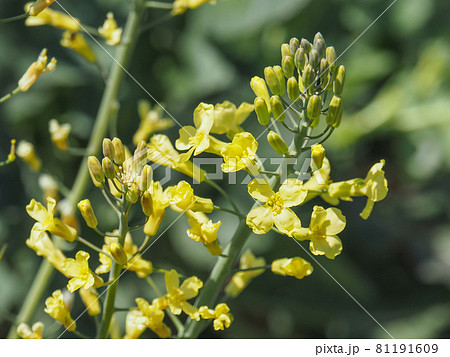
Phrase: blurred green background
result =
(396, 100)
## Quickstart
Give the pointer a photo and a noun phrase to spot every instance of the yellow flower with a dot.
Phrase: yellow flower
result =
(296, 267)
(227, 119)
(41, 243)
(240, 154)
(221, 315)
(276, 206)
(151, 121)
(241, 279)
(24, 331)
(87, 212)
(259, 87)
(25, 150)
(110, 31)
(159, 204)
(52, 18)
(182, 198)
(78, 270)
(196, 140)
(135, 324)
(155, 318)
(35, 70)
(204, 230)
(90, 300)
(56, 308)
(180, 6)
(59, 134)
(177, 296)
(324, 225)
(76, 42)
(163, 153)
(47, 222)
(318, 184)
(374, 187)
(38, 6)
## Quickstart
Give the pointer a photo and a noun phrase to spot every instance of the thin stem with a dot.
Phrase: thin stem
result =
(159, 5)
(320, 135)
(229, 211)
(269, 173)
(9, 95)
(81, 335)
(111, 203)
(93, 247)
(77, 151)
(110, 95)
(14, 18)
(138, 226)
(223, 193)
(251, 269)
(295, 130)
(176, 321)
(326, 137)
(274, 125)
(99, 232)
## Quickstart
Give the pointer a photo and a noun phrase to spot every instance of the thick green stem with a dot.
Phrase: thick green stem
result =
(100, 129)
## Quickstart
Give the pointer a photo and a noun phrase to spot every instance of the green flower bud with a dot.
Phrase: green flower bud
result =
(119, 151)
(118, 253)
(108, 148)
(272, 80)
(132, 194)
(280, 77)
(338, 118)
(259, 87)
(277, 143)
(306, 45)
(262, 112)
(317, 156)
(300, 58)
(294, 43)
(87, 212)
(147, 203)
(277, 108)
(334, 110)
(96, 172)
(308, 78)
(323, 73)
(338, 85)
(314, 59)
(293, 89)
(146, 178)
(319, 45)
(141, 148)
(108, 168)
(285, 50)
(313, 109)
(287, 63)
(331, 57)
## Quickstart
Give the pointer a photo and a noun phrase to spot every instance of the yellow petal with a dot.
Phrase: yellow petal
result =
(260, 189)
(191, 286)
(186, 132)
(335, 221)
(292, 192)
(287, 221)
(260, 219)
(172, 281)
(330, 246)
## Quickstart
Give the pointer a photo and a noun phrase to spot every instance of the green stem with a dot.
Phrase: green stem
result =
(158, 5)
(9, 95)
(14, 18)
(110, 95)
(223, 193)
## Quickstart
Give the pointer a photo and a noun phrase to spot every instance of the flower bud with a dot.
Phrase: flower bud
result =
(108, 168)
(287, 63)
(272, 80)
(314, 59)
(319, 45)
(334, 110)
(141, 148)
(118, 253)
(277, 108)
(39, 6)
(313, 109)
(108, 149)
(308, 77)
(331, 57)
(285, 50)
(147, 203)
(300, 58)
(306, 45)
(317, 156)
(59, 134)
(132, 194)
(262, 112)
(323, 73)
(87, 212)
(259, 87)
(294, 43)
(25, 150)
(90, 300)
(292, 89)
(338, 85)
(119, 151)
(277, 143)
(95, 170)
(280, 77)
(146, 178)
